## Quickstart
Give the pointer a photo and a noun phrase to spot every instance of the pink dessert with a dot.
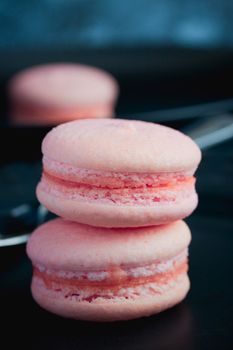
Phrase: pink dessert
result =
(104, 274)
(54, 93)
(118, 173)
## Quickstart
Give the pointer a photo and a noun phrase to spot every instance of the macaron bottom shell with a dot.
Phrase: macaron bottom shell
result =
(95, 213)
(52, 115)
(109, 310)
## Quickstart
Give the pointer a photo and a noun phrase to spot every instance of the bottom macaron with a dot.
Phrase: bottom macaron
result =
(100, 274)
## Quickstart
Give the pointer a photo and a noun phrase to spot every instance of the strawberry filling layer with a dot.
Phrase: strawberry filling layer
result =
(118, 282)
(111, 179)
(115, 188)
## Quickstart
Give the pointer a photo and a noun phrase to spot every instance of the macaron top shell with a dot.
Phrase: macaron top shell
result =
(64, 84)
(121, 146)
(64, 245)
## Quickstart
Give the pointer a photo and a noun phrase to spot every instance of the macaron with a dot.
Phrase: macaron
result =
(54, 93)
(108, 274)
(118, 173)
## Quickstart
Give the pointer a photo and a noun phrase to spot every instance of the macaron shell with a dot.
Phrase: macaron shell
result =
(64, 84)
(99, 214)
(65, 245)
(37, 114)
(109, 311)
(121, 145)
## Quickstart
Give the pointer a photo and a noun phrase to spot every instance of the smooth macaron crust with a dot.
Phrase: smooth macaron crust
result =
(118, 173)
(103, 274)
(54, 93)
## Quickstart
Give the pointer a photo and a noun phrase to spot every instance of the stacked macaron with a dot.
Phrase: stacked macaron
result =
(124, 186)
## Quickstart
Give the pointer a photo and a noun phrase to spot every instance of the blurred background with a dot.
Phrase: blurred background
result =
(145, 44)
(173, 60)
(110, 23)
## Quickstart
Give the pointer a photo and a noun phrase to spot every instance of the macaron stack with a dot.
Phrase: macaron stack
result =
(54, 93)
(120, 250)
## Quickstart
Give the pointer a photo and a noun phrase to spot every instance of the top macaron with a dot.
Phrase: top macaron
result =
(55, 93)
(122, 146)
(118, 173)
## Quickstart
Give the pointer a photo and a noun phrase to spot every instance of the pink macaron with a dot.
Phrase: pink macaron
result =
(118, 173)
(54, 93)
(104, 274)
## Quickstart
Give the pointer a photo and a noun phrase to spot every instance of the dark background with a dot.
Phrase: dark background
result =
(165, 54)
(108, 23)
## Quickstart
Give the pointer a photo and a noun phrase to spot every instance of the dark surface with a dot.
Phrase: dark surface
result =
(203, 321)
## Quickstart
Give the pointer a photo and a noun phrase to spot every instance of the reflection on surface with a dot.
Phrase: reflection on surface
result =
(173, 328)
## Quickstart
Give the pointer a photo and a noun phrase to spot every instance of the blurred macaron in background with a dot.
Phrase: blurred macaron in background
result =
(50, 94)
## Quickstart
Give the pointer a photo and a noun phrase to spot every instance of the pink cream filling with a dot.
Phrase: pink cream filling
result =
(115, 282)
(124, 270)
(65, 181)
